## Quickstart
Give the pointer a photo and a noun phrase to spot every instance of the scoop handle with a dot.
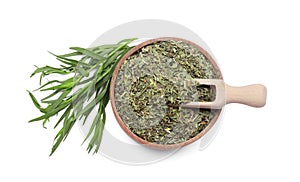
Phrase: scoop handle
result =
(252, 95)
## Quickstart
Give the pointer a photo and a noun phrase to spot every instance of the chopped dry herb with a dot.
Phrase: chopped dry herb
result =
(154, 82)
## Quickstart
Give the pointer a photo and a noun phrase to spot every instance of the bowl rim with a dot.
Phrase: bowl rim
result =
(123, 125)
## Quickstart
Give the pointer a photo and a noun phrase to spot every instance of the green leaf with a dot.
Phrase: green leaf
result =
(69, 83)
(35, 102)
(88, 53)
(51, 113)
(82, 71)
(51, 95)
(64, 115)
(68, 124)
(59, 100)
(50, 82)
(92, 128)
(57, 140)
(46, 70)
(127, 41)
(69, 54)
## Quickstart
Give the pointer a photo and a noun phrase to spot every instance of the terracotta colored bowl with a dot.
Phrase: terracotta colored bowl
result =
(122, 124)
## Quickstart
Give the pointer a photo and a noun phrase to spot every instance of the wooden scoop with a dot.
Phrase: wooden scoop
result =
(251, 95)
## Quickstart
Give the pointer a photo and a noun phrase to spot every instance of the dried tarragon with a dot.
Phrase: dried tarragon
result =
(153, 83)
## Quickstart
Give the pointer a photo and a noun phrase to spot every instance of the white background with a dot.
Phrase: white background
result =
(254, 42)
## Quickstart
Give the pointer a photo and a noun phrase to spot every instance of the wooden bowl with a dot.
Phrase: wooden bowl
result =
(122, 124)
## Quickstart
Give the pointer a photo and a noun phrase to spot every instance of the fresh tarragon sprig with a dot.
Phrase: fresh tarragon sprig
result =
(86, 88)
